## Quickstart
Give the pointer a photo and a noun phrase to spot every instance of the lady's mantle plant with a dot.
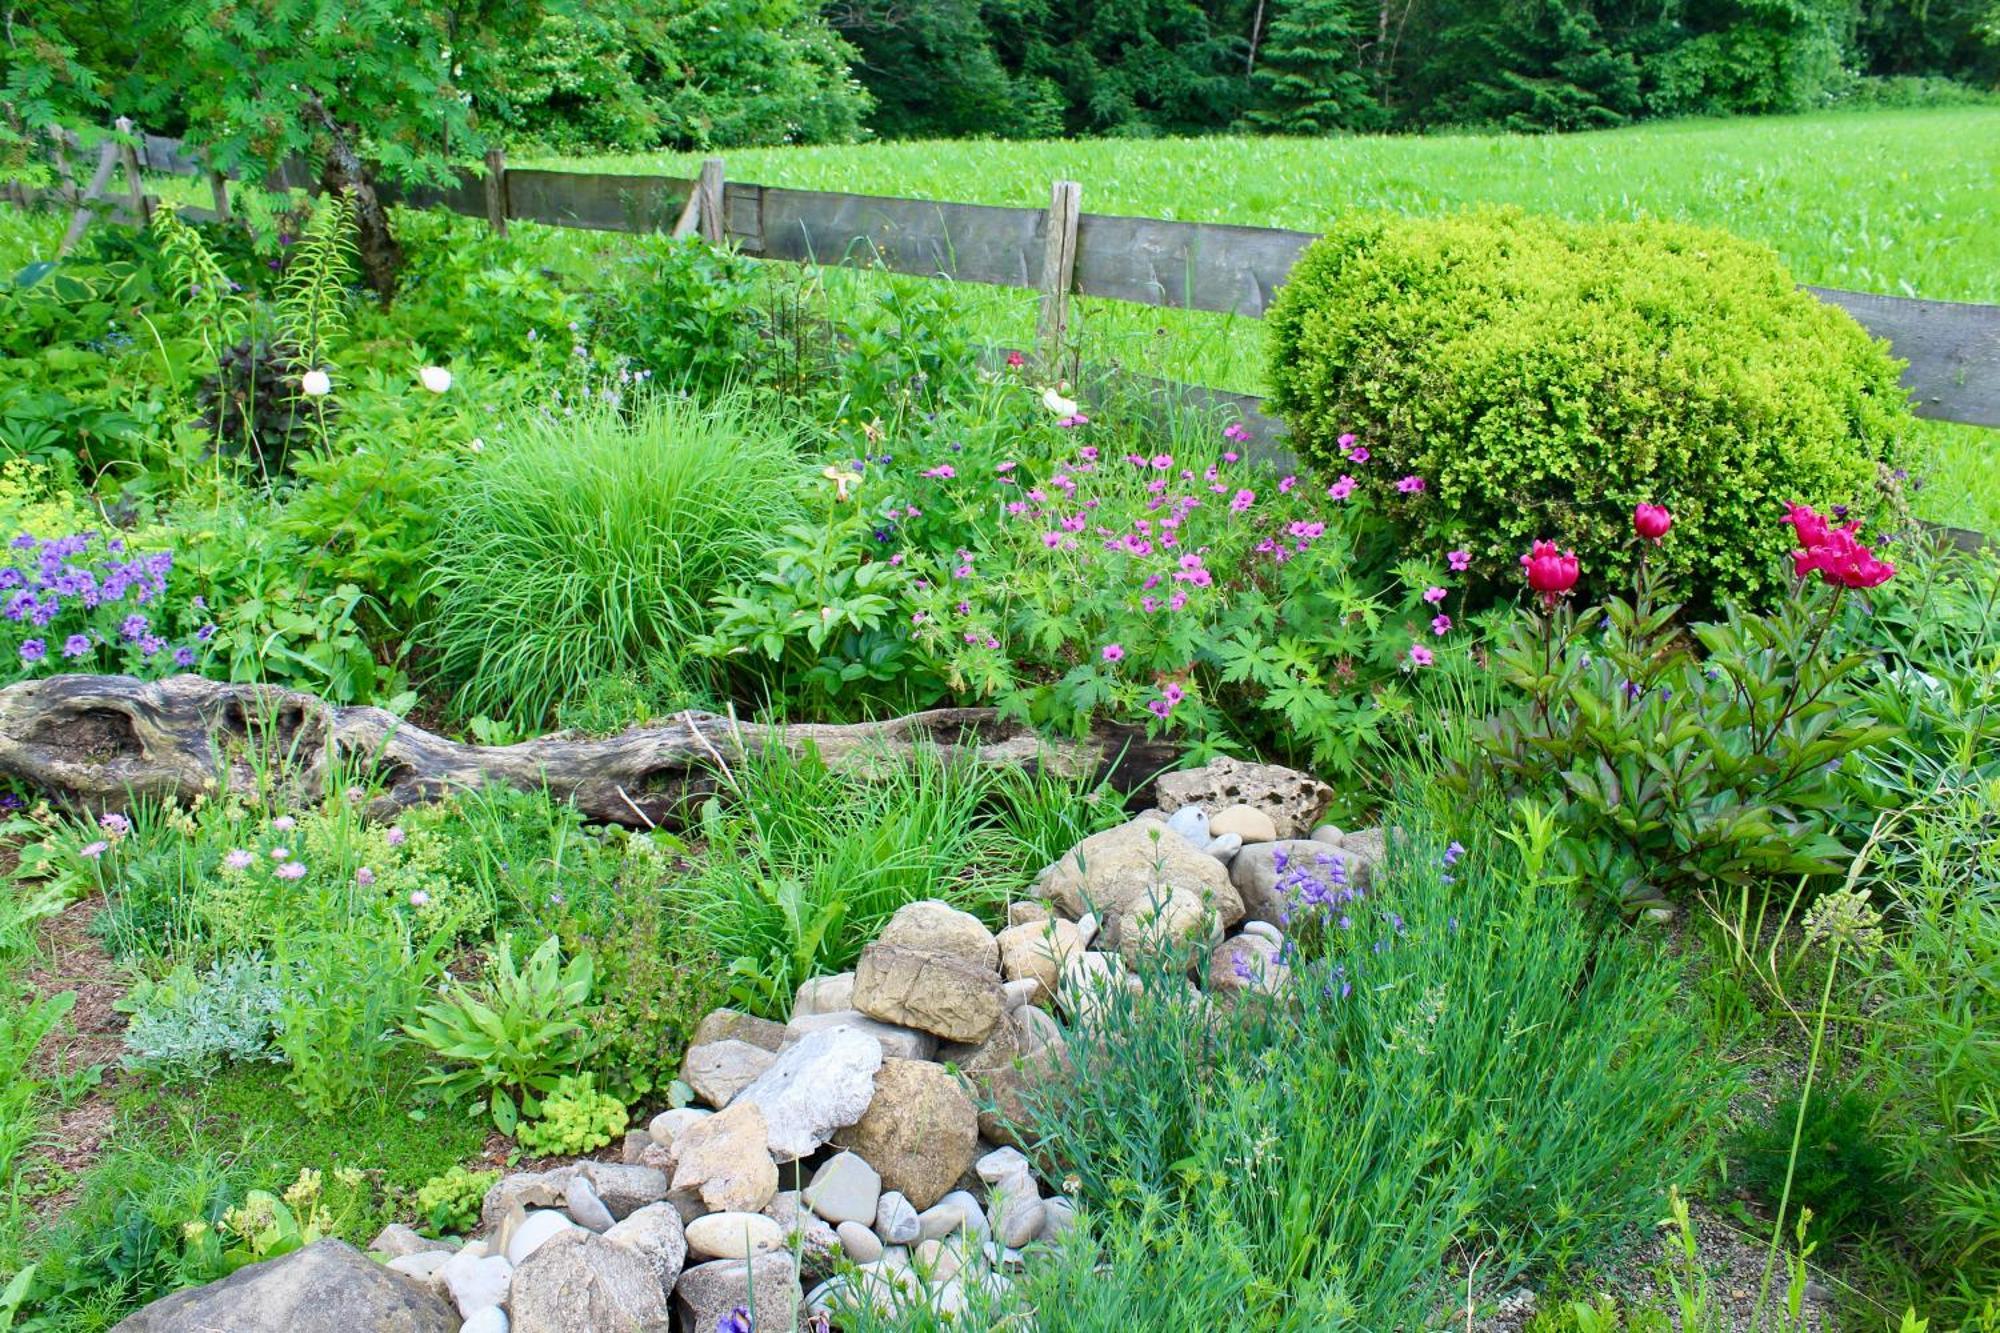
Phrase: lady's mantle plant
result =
(1673, 766)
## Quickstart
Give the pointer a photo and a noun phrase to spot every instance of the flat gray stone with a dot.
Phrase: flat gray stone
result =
(896, 1219)
(845, 1189)
(821, 1084)
(858, 1242)
(327, 1287)
(899, 1043)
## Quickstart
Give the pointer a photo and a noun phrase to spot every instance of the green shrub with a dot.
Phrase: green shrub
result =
(1543, 376)
(1844, 1173)
(580, 545)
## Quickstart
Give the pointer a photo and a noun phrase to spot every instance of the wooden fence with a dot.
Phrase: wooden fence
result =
(1952, 348)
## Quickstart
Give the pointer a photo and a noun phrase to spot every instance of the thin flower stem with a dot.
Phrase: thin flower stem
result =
(1798, 1132)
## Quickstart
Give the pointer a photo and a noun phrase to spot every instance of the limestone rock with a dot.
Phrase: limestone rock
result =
(654, 1233)
(845, 1189)
(896, 1219)
(1000, 1072)
(727, 1159)
(477, 1280)
(396, 1240)
(767, 1285)
(327, 1287)
(1367, 844)
(1277, 878)
(733, 1236)
(584, 1207)
(919, 1131)
(735, 1025)
(822, 1083)
(578, 1280)
(525, 1232)
(823, 995)
(625, 1189)
(1110, 872)
(1159, 922)
(1293, 800)
(1224, 848)
(1037, 952)
(938, 993)
(529, 1189)
(667, 1125)
(901, 1042)
(1026, 911)
(1246, 965)
(718, 1070)
(930, 926)
(859, 1243)
(1191, 822)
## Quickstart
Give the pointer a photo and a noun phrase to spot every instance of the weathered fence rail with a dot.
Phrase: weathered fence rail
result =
(1953, 348)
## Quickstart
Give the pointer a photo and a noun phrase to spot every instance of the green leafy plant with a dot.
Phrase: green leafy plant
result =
(450, 1203)
(576, 1118)
(514, 1033)
(1673, 773)
(1844, 1172)
(1543, 376)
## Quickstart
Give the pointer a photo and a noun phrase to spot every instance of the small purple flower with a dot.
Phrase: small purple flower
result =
(365, 877)
(394, 837)
(184, 656)
(133, 626)
(1113, 652)
(150, 645)
(93, 850)
(34, 650)
(736, 1321)
(238, 859)
(1434, 595)
(76, 645)
(1452, 853)
(291, 870)
(1410, 485)
(1460, 561)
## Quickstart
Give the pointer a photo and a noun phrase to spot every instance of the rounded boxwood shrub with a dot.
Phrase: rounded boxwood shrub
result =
(1543, 376)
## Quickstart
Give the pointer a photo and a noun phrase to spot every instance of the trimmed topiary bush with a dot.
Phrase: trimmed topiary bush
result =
(1544, 376)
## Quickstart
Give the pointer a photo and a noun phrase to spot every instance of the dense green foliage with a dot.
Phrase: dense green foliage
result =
(1023, 68)
(583, 546)
(1541, 377)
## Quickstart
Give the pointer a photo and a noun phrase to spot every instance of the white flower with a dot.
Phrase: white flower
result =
(315, 384)
(1056, 403)
(478, 445)
(436, 378)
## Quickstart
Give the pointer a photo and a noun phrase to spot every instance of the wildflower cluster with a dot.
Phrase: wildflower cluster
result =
(84, 602)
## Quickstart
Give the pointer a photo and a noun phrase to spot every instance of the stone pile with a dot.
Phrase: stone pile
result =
(864, 1150)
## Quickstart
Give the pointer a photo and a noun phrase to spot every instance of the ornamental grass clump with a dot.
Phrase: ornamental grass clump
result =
(1543, 375)
(583, 545)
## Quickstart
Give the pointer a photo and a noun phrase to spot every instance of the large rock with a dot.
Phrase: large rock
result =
(767, 1286)
(1037, 952)
(930, 926)
(1162, 922)
(845, 1189)
(654, 1233)
(1292, 799)
(735, 1025)
(327, 1287)
(1280, 879)
(919, 1132)
(625, 1188)
(578, 1280)
(726, 1158)
(822, 1083)
(734, 1236)
(1000, 1071)
(718, 1070)
(1109, 873)
(900, 1042)
(939, 993)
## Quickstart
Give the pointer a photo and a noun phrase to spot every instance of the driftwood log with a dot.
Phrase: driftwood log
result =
(101, 741)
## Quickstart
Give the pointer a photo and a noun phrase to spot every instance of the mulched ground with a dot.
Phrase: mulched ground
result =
(72, 959)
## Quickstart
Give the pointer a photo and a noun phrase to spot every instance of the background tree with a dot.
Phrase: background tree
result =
(1308, 76)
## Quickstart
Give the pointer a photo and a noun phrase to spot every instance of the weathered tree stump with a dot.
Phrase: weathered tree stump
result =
(101, 741)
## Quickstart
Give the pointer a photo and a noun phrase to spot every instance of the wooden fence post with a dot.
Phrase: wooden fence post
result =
(708, 189)
(1058, 271)
(496, 190)
(107, 161)
(218, 190)
(134, 182)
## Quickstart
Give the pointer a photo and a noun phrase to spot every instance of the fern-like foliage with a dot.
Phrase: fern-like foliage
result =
(196, 277)
(312, 303)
